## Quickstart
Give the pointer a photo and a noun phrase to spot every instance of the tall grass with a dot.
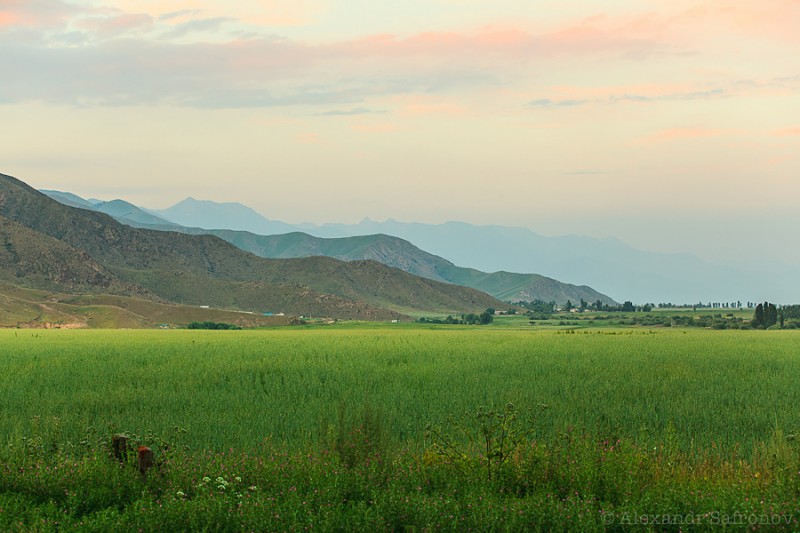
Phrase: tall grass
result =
(235, 389)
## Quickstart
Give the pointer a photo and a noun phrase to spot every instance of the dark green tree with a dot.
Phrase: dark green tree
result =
(770, 315)
(470, 318)
(758, 317)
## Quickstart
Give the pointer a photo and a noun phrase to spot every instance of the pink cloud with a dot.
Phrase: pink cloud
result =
(591, 39)
(8, 18)
(788, 132)
(507, 43)
(768, 20)
(35, 13)
(671, 30)
(272, 71)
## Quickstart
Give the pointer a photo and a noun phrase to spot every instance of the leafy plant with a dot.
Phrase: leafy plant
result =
(483, 440)
(361, 438)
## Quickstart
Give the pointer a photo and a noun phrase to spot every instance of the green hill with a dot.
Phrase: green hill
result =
(205, 270)
(401, 254)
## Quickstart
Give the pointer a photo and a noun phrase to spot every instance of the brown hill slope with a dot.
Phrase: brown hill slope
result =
(31, 259)
(32, 308)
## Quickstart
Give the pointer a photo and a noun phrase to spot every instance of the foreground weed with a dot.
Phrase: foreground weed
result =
(483, 440)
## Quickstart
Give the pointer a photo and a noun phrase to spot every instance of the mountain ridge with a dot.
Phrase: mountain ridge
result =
(607, 264)
(205, 270)
(397, 253)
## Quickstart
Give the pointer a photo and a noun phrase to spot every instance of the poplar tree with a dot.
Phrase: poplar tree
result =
(758, 317)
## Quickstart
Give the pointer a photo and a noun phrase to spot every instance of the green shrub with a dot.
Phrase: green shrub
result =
(211, 325)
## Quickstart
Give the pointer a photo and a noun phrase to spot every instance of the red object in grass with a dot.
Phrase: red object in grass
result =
(145, 459)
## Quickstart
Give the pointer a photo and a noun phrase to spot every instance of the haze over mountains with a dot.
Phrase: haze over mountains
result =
(388, 250)
(55, 247)
(607, 265)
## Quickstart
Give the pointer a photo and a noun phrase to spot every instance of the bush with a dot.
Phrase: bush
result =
(211, 325)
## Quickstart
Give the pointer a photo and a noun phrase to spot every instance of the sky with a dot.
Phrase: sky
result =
(673, 125)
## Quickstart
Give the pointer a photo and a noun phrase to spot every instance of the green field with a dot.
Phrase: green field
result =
(237, 388)
(690, 410)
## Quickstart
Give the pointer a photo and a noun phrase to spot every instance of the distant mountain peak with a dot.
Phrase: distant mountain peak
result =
(191, 202)
(208, 214)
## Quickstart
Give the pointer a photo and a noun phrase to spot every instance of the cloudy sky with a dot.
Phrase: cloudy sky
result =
(672, 124)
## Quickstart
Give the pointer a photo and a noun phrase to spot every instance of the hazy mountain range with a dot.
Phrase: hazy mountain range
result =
(607, 265)
(386, 249)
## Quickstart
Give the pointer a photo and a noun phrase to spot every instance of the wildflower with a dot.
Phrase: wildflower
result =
(180, 494)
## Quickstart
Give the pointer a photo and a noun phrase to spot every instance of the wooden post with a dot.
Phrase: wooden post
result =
(145, 460)
(119, 447)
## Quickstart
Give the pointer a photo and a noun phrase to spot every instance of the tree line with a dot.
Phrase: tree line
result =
(540, 307)
(211, 325)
